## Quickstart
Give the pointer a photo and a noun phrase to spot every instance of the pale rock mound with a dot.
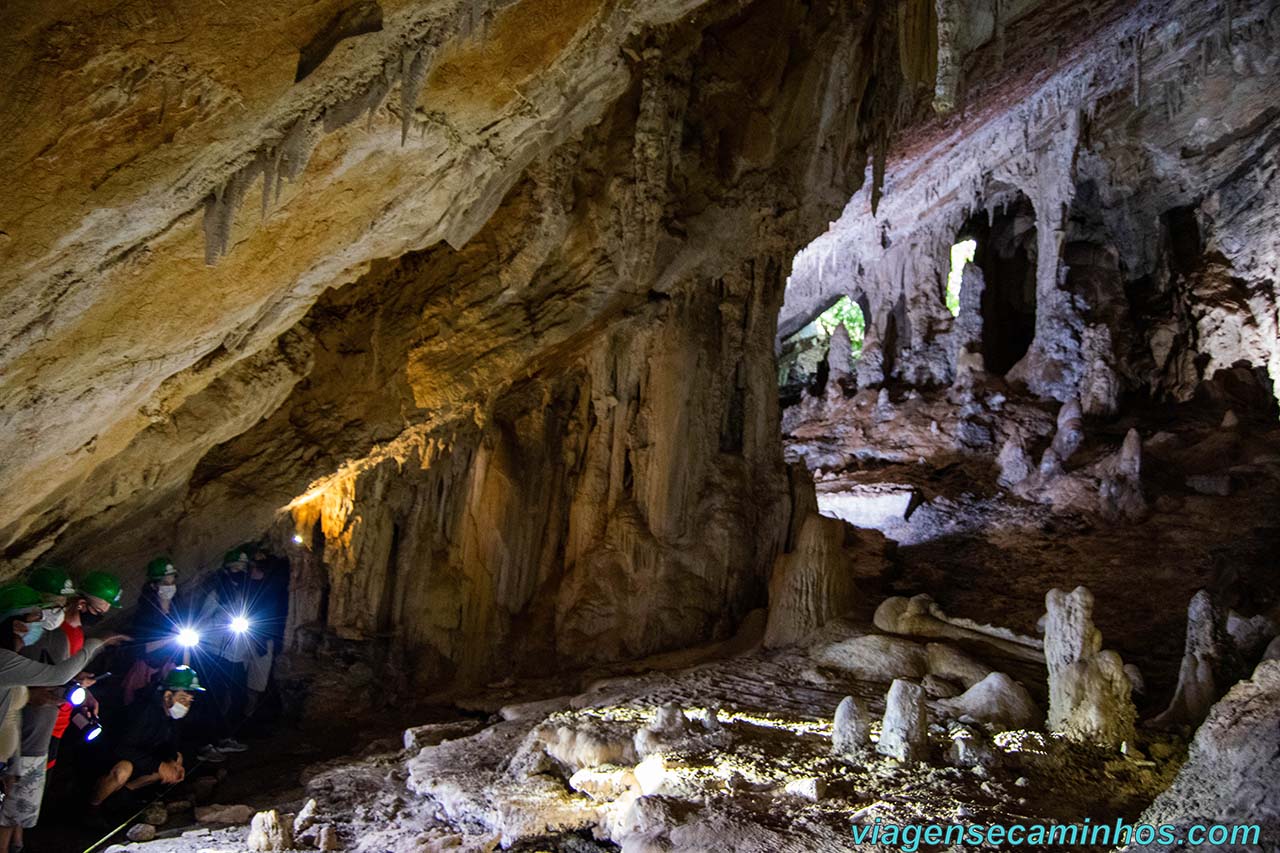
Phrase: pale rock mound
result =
(998, 701)
(1089, 693)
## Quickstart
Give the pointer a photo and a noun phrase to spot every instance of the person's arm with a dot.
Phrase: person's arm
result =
(15, 670)
(209, 607)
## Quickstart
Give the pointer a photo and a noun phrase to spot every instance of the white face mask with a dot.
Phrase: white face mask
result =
(53, 618)
(178, 711)
(166, 592)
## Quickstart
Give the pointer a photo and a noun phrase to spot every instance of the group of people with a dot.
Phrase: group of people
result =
(209, 652)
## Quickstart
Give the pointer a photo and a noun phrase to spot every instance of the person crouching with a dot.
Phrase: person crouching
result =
(146, 751)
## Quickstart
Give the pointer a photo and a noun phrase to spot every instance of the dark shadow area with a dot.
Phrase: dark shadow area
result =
(357, 19)
(1006, 254)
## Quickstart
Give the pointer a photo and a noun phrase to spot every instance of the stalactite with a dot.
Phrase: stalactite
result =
(1137, 69)
(269, 178)
(879, 154)
(948, 78)
(917, 42)
(413, 74)
(475, 19)
(1000, 44)
(344, 112)
(294, 151)
(220, 209)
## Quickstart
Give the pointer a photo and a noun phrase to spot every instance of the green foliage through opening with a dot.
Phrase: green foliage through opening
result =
(845, 312)
(961, 254)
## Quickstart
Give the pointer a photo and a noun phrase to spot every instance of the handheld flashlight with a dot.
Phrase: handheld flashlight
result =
(88, 723)
(240, 624)
(188, 638)
(75, 693)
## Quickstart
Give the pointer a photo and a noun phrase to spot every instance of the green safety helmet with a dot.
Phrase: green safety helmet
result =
(182, 678)
(236, 555)
(17, 599)
(51, 580)
(102, 585)
(159, 568)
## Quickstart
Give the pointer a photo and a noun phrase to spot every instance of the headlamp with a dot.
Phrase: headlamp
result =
(188, 638)
(240, 624)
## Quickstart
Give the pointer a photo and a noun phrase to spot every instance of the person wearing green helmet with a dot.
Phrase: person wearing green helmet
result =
(20, 606)
(95, 596)
(146, 751)
(155, 624)
(43, 642)
(55, 586)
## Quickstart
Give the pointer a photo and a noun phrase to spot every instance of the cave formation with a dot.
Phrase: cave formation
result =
(499, 320)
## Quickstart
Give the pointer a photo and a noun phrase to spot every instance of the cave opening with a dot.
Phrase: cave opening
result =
(962, 253)
(1001, 243)
(809, 357)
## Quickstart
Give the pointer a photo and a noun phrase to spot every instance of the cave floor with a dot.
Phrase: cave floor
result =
(269, 774)
(546, 775)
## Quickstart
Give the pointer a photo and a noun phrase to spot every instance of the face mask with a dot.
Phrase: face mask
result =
(53, 618)
(35, 631)
(166, 592)
(178, 711)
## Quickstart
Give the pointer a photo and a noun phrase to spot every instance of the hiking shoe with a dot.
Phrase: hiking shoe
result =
(230, 745)
(211, 753)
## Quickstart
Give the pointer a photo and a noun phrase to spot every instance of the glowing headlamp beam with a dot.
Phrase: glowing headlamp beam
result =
(188, 638)
(240, 624)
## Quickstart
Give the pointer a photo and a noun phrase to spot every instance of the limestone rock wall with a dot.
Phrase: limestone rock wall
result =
(479, 309)
(1145, 144)
(182, 199)
(599, 513)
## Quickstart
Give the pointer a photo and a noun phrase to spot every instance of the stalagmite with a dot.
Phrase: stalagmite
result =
(1070, 433)
(1014, 463)
(998, 701)
(669, 725)
(851, 732)
(268, 831)
(1205, 660)
(1089, 692)
(814, 582)
(904, 732)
